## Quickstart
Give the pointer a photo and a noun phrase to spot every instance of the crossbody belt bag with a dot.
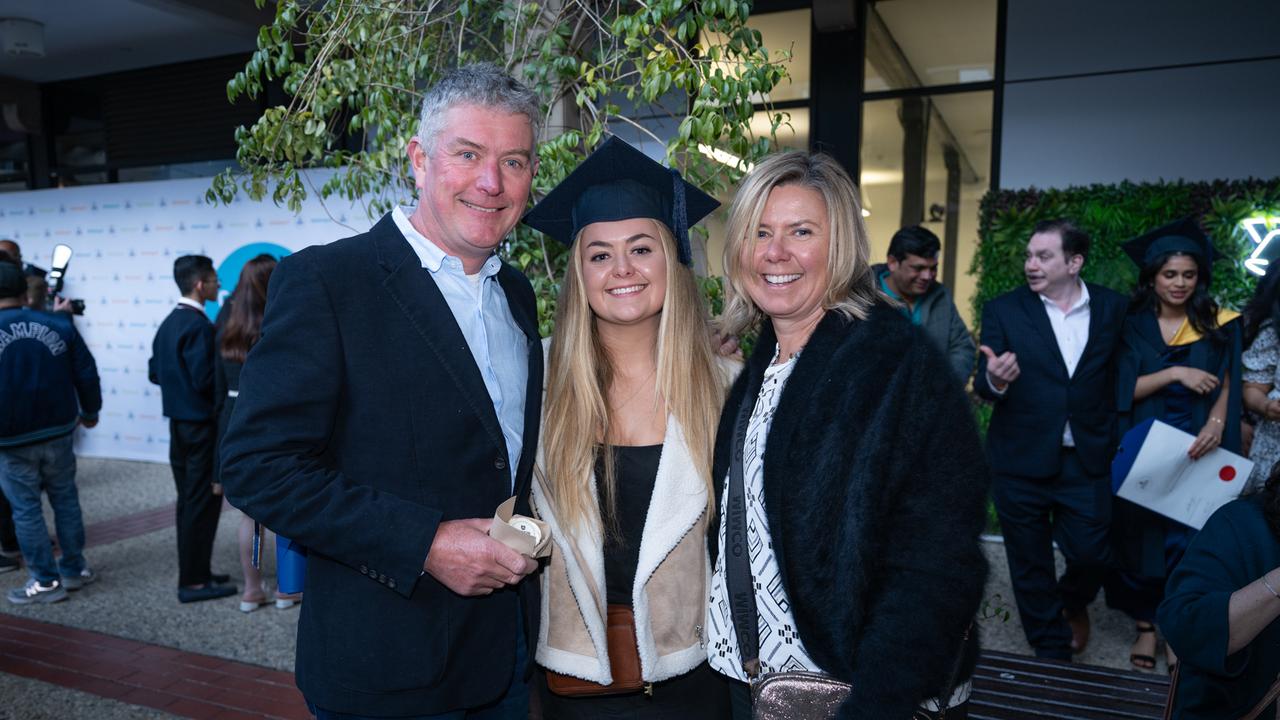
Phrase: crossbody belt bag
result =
(793, 695)
(624, 661)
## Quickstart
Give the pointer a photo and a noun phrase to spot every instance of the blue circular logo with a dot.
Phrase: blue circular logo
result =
(229, 270)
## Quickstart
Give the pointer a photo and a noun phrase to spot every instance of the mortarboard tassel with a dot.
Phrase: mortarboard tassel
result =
(680, 219)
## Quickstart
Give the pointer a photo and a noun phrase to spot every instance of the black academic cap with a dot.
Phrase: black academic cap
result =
(618, 182)
(1181, 236)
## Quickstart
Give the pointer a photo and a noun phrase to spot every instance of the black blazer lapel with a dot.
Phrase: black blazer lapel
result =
(415, 293)
(1039, 317)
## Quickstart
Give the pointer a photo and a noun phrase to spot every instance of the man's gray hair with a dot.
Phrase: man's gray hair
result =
(483, 84)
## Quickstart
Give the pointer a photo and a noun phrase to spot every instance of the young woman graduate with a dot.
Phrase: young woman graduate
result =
(624, 464)
(1179, 363)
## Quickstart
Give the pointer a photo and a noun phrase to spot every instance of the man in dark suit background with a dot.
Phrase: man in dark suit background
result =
(182, 365)
(1047, 366)
(390, 406)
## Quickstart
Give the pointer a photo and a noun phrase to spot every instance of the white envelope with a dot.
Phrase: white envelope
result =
(1164, 479)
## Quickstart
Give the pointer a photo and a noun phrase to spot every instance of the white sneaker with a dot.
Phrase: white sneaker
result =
(75, 582)
(34, 592)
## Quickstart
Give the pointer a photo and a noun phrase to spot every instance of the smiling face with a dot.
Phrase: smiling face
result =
(474, 183)
(913, 275)
(1048, 270)
(786, 262)
(624, 270)
(1176, 281)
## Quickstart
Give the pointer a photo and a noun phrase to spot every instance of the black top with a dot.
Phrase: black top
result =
(635, 469)
(182, 365)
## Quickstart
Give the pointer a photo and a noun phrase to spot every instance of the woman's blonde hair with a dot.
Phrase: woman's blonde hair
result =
(576, 417)
(852, 288)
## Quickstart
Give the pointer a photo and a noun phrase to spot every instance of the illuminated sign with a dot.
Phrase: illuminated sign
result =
(1263, 231)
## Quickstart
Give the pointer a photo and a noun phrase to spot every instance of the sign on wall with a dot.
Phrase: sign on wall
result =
(126, 237)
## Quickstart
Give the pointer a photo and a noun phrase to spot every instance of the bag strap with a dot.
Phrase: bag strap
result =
(1173, 692)
(737, 557)
(1272, 693)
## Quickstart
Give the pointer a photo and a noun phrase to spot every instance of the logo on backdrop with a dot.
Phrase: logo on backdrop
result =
(1263, 231)
(229, 270)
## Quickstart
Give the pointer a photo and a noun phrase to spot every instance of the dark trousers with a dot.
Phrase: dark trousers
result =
(1074, 509)
(8, 535)
(191, 449)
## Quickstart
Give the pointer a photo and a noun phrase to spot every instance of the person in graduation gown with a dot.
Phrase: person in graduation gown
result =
(1220, 610)
(1179, 363)
(633, 394)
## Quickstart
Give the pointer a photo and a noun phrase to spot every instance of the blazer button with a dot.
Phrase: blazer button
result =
(391, 583)
(382, 579)
(500, 463)
(364, 569)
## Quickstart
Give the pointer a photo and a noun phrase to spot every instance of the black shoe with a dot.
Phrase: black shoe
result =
(208, 592)
(219, 579)
(7, 564)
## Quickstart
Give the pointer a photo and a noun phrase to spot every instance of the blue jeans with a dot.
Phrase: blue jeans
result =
(513, 705)
(51, 466)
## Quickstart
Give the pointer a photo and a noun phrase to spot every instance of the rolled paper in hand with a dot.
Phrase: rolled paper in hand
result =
(526, 535)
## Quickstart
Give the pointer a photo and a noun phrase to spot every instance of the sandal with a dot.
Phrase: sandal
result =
(1170, 658)
(1143, 661)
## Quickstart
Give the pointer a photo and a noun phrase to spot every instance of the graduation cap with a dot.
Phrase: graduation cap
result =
(618, 182)
(1180, 236)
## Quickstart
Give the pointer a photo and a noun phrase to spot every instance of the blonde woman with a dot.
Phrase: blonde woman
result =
(633, 394)
(848, 460)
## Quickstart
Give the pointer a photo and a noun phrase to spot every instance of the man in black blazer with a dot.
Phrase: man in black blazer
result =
(391, 404)
(1047, 366)
(182, 365)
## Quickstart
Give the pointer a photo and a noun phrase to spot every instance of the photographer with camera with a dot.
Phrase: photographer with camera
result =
(48, 385)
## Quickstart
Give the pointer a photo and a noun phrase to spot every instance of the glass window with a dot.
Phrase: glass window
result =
(927, 161)
(920, 43)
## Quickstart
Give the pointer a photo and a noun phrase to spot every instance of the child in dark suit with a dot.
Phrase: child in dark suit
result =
(182, 365)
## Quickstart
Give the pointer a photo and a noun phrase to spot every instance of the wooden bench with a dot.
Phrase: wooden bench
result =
(1015, 687)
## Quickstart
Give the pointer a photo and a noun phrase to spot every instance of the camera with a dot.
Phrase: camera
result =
(62, 255)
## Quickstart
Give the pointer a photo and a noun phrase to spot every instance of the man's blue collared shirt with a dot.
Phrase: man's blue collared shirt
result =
(499, 346)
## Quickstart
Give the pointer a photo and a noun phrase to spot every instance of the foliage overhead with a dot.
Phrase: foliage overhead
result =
(353, 72)
(1113, 214)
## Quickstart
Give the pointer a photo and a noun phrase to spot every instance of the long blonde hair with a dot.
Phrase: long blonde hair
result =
(576, 415)
(852, 289)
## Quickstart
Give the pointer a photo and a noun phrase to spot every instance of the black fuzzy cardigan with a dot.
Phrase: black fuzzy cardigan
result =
(875, 486)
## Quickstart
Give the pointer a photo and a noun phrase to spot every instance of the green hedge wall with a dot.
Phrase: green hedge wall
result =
(1112, 214)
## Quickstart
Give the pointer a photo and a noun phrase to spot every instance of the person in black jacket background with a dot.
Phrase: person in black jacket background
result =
(1047, 364)
(182, 365)
(48, 386)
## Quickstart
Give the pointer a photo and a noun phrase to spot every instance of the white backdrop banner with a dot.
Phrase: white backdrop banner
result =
(126, 237)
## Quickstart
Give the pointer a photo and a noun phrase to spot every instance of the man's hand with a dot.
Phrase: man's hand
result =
(88, 423)
(1002, 369)
(467, 561)
(61, 304)
(1196, 380)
